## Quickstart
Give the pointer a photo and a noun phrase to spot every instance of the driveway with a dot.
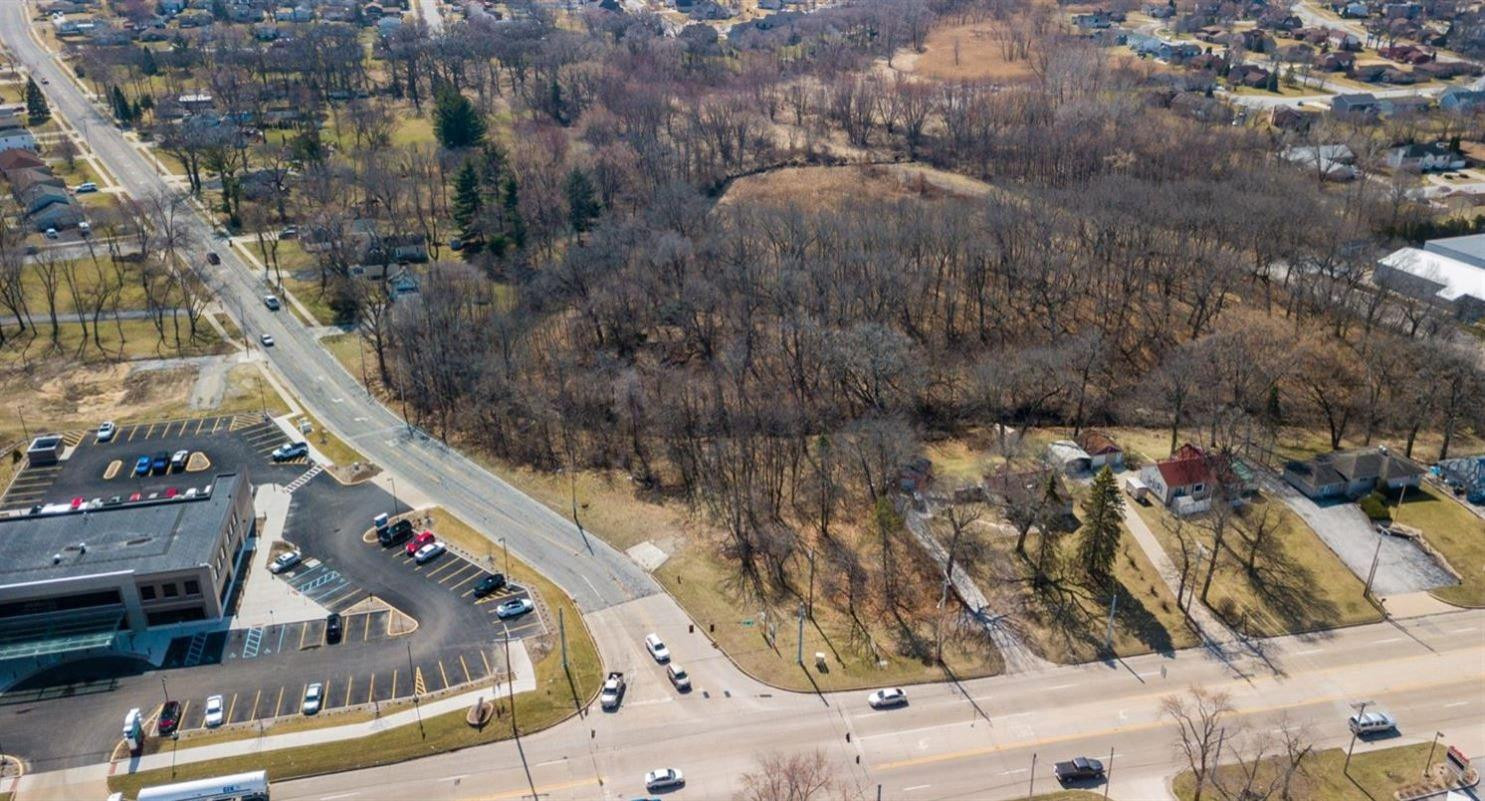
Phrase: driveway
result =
(1401, 565)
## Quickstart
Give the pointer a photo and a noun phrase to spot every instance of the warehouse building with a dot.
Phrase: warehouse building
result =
(76, 581)
(1449, 273)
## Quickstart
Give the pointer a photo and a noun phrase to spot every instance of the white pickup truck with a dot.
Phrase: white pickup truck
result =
(613, 691)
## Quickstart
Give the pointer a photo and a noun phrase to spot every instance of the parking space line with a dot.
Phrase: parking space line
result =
(483, 658)
(325, 691)
(280, 701)
(349, 681)
(366, 629)
(445, 566)
(460, 572)
(443, 674)
(394, 683)
(302, 627)
(337, 599)
(466, 580)
(256, 696)
(151, 432)
(371, 690)
(466, 669)
(231, 706)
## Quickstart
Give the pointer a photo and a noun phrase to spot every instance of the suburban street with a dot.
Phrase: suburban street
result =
(977, 739)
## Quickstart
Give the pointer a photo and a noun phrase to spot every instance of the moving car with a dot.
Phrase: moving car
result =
(292, 450)
(657, 648)
(271, 302)
(213, 258)
(214, 713)
(160, 462)
(664, 779)
(885, 699)
(397, 533)
(1375, 721)
(1078, 770)
(312, 698)
(169, 718)
(107, 430)
(416, 543)
(429, 552)
(178, 459)
(142, 466)
(85, 187)
(489, 584)
(266, 339)
(285, 561)
(678, 677)
(613, 691)
(333, 627)
(515, 607)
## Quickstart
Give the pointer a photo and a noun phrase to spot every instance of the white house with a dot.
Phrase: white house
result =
(1432, 157)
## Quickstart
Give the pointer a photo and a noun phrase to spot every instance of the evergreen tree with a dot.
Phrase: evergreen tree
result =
(147, 63)
(468, 202)
(455, 120)
(122, 110)
(1103, 514)
(36, 108)
(515, 226)
(582, 201)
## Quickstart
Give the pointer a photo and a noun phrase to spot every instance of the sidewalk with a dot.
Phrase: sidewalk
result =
(91, 781)
(1207, 625)
(266, 598)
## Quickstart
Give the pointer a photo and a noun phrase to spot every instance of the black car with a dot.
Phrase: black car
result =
(169, 718)
(160, 462)
(332, 627)
(397, 533)
(489, 584)
(213, 258)
(1081, 769)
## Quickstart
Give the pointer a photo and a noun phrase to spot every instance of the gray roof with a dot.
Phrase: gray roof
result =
(1468, 249)
(147, 537)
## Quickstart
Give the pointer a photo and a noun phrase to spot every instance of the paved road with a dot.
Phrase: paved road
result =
(594, 574)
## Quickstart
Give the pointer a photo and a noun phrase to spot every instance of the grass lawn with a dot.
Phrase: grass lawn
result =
(412, 130)
(332, 446)
(1373, 775)
(126, 339)
(558, 695)
(80, 172)
(1300, 584)
(1457, 534)
(88, 275)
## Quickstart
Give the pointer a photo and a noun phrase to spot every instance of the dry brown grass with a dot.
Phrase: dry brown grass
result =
(967, 51)
(833, 187)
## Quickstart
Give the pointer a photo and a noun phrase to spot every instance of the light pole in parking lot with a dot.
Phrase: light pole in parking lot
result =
(1438, 735)
(505, 549)
(165, 689)
(394, 495)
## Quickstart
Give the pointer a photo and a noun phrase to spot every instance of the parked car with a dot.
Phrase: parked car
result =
(491, 583)
(160, 462)
(664, 779)
(266, 339)
(214, 713)
(178, 459)
(85, 228)
(613, 691)
(1374, 721)
(334, 628)
(106, 431)
(312, 698)
(416, 543)
(272, 303)
(51, 233)
(289, 451)
(169, 718)
(429, 552)
(288, 232)
(515, 607)
(212, 257)
(678, 677)
(114, 500)
(171, 492)
(657, 648)
(85, 187)
(398, 532)
(887, 698)
(1081, 769)
(285, 561)
(77, 502)
(142, 466)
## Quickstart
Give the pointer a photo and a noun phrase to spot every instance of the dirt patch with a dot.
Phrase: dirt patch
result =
(972, 51)
(840, 186)
(61, 397)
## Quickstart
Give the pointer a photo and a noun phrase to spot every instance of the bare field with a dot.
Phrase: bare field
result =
(970, 51)
(838, 186)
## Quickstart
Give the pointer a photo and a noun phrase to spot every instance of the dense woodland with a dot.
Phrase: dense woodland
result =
(776, 364)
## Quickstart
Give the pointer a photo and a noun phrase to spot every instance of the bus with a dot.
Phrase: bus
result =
(237, 787)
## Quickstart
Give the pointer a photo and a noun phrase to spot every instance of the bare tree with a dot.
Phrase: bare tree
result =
(1199, 715)
(792, 777)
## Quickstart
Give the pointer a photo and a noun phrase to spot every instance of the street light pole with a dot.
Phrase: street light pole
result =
(1360, 711)
(165, 689)
(393, 481)
(1366, 592)
(506, 550)
(1438, 735)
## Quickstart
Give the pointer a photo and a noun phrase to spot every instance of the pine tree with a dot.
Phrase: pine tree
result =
(468, 202)
(36, 108)
(1103, 513)
(122, 111)
(455, 120)
(582, 201)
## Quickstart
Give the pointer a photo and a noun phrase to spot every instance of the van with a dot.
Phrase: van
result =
(1373, 722)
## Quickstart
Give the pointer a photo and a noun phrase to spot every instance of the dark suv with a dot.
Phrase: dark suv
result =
(332, 628)
(489, 584)
(397, 533)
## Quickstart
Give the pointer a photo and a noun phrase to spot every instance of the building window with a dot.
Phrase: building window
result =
(193, 587)
(147, 592)
(170, 590)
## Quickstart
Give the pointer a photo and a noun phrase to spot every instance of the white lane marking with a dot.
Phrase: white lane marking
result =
(1062, 686)
(1456, 703)
(916, 787)
(549, 762)
(1388, 641)
(454, 778)
(1307, 652)
(339, 795)
(1011, 772)
(1465, 630)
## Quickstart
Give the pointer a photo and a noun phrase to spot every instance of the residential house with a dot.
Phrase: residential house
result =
(1093, 20)
(1355, 11)
(1160, 10)
(1186, 481)
(1102, 450)
(57, 215)
(1287, 118)
(22, 180)
(1405, 106)
(1368, 73)
(1250, 75)
(1409, 10)
(1068, 457)
(1430, 157)
(38, 196)
(915, 476)
(1024, 489)
(19, 159)
(1352, 474)
(171, 7)
(1333, 162)
(1256, 41)
(1361, 104)
(1335, 61)
(1462, 101)
(1401, 77)
(15, 137)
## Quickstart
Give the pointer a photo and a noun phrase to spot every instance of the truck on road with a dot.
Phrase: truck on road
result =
(1078, 770)
(613, 691)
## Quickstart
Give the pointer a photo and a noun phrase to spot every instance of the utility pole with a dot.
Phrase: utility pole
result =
(562, 632)
(412, 677)
(1366, 592)
(1108, 774)
(1360, 711)
(510, 685)
(1031, 789)
(360, 346)
(1438, 735)
(1108, 635)
(812, 584)
(506, 549)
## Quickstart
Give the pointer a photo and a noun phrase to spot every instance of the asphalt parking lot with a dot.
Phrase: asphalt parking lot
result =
(262, 671)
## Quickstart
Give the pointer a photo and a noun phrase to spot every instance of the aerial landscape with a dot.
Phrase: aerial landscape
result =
(770, 400)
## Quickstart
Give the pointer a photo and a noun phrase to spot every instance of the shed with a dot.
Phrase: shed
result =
(1069, 457)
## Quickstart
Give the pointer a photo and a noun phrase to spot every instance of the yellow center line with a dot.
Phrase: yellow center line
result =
(540, 791)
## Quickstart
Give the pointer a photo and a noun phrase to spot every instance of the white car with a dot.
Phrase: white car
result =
(266, 339)
(214, 714)
(657, 648)
(664, 779)
(85, 187)
(272, 303)
(312, 698)
(107, 430)
(885, 699)
(1375, 721)
(678, 677)
(427, 552)
(285, 561)
(515, 607)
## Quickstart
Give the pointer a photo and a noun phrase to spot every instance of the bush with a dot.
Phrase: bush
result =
(1375, 506)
